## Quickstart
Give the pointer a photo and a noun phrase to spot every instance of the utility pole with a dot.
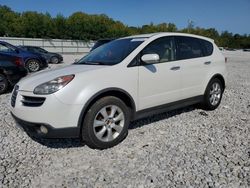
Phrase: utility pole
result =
(190, 25)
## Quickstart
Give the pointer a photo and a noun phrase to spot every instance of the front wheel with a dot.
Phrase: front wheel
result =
(33, 65)
(106, 123)
(213, 94)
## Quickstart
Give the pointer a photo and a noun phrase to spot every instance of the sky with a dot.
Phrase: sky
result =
(230, 15)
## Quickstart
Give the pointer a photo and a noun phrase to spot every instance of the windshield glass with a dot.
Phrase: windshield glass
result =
(111, 53)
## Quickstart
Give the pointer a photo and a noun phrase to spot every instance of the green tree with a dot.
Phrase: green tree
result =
(82, 26)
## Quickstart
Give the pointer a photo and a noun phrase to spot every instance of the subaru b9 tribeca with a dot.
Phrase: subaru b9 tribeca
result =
(129, 78)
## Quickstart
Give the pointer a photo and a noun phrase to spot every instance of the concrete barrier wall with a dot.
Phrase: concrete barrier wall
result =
(53, 45)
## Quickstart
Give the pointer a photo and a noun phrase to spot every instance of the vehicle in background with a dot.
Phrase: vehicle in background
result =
(33, 62)
(230, 49)
(50, 57)
(11, 71)
(246, 50)
(100, 42)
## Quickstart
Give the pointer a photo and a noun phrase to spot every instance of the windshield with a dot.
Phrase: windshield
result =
(99, 43)
(111, 53)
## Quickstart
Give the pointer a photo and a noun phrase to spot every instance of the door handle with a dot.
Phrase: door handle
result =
(207, 62)
(175, 68)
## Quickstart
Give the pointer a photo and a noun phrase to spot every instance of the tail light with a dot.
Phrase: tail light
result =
(19, 61)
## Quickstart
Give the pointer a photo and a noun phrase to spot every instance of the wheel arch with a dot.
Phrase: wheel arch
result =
(220, 77)
(30, 58)
(116, 92)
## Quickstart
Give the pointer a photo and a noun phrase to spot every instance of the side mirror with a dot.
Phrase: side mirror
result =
(150, 58)
(76, 60)
(17, 51)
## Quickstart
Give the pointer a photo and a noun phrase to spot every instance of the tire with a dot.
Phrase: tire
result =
(106, 123)
(213, 94)
(54, 60)
(3, 84)
(33, 65)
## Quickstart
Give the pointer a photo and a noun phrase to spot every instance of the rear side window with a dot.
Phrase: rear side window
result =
(189, 47)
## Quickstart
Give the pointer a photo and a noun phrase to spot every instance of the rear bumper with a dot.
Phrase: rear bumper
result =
(60, 58)
(34, 129)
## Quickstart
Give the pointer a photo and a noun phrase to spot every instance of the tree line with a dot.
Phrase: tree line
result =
(82, 26)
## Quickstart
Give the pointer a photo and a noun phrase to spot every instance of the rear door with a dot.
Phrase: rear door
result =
(194, 63)
(159, 83)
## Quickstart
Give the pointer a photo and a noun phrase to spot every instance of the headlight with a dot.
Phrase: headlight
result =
(53, 85)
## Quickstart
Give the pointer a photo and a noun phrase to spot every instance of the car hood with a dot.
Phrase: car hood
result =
(33, 80)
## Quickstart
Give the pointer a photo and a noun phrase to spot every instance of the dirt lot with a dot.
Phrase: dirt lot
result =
(188, 147)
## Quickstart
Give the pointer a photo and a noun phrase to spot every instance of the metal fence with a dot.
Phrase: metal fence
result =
(53, 45)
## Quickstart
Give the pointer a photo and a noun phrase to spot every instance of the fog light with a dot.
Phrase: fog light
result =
(43, 129)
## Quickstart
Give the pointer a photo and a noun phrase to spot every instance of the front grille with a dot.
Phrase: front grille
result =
(14, 95)
(32, 101)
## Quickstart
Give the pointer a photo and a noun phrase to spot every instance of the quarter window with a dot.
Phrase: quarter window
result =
(208, 47)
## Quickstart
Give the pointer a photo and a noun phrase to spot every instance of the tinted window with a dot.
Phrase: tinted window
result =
(40, 50)
(99, 43)
(208, 47)
(164, 47)
(188, 47)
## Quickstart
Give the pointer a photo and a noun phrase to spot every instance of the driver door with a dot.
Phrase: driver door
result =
(159, 83)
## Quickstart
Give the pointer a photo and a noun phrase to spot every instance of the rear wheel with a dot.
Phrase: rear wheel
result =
(33, 65)
(106, 123)
(213, 94)
(54, 60)
(3, 84)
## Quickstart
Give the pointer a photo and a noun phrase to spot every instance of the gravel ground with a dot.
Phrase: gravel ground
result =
(184, 148)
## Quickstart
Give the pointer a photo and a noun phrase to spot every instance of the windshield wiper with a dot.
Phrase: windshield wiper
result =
(95, 63)
(90, 63)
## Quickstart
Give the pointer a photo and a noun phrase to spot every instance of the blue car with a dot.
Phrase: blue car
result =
(49, 56)
(33, 62)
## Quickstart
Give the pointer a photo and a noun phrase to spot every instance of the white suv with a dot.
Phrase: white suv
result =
(126, 79)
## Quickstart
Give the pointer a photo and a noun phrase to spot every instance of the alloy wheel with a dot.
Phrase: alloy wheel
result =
(108, 123)
(215, 94)
(33, 66)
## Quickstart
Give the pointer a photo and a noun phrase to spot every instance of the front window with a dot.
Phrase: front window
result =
(164, 47)
(111, 53)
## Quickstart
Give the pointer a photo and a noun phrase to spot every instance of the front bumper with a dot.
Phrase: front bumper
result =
(35, 113)
(35, 130)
